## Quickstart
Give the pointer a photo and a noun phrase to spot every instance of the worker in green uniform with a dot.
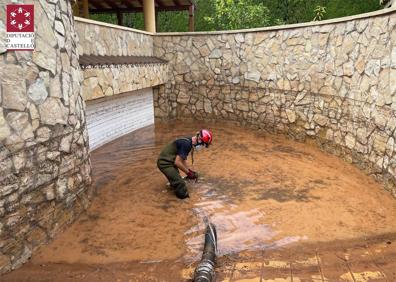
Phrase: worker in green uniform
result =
(173, 158)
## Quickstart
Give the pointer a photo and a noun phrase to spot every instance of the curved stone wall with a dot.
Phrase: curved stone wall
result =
(334, 82)
(97, 38)
(44, 160)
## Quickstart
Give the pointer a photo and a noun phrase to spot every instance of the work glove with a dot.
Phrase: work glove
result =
(192, 175)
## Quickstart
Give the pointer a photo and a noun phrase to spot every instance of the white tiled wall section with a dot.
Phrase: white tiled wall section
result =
(111, 118)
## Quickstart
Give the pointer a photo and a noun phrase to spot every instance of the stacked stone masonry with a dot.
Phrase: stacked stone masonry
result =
(44, 161)
(334, 83)
(98, 38)
(104, 39)
(104, 82)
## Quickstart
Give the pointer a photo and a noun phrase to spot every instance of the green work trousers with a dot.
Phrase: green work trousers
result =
(174, 178)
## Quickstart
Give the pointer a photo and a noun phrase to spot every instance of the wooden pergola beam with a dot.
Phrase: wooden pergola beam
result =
(150, 8)
(97, 4)
(85, 7)
(177, 2)
(159, 3)
(149, 15)
(111, 4)
(76, 9)
(138, 9)
(120, 18)
(128, 4)
(191, 18)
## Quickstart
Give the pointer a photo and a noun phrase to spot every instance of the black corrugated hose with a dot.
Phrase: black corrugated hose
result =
(205, 271)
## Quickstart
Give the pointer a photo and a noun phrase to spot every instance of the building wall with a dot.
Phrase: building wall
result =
(98, 38)
(120, 98)
(110, 118)
(44, 161)
(333, 82)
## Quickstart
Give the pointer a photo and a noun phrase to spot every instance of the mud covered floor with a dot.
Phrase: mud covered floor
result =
(284, 211)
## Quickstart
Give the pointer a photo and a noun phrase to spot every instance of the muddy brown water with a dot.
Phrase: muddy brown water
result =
(269, 197)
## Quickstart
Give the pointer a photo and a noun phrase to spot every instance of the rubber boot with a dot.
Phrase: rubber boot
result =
(181, 191)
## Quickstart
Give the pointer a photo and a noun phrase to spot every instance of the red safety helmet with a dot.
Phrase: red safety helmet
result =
(206, 136)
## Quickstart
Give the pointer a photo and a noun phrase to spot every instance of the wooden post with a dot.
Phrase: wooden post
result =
(120, 18)
(156, 20)
(191, 18)
(85, 9)
(149, 15)
(76, 9)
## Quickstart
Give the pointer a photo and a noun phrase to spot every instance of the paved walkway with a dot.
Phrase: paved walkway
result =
(368, 260)
(370, 263)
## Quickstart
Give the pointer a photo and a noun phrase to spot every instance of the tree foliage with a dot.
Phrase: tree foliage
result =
(320, 12)
(242, 14)
(238, 14)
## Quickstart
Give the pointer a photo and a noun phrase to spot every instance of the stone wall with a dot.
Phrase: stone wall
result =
(105, 82)
(105, 39)
(97, 38)
(44, 161)
(333, 82)
(387, 3)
